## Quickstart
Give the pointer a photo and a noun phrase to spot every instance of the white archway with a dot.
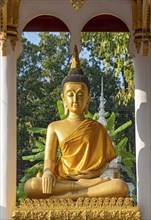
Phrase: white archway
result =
(78, 19)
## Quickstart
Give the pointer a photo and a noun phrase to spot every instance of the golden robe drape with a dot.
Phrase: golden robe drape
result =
(87, 148)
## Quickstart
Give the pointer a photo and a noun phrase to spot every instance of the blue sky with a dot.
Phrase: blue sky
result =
(32, 36)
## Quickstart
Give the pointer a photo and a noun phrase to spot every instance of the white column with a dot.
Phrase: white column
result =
(143, 132)
(7, 133)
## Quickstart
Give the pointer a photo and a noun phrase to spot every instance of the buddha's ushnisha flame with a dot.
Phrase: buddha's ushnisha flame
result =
(75, 60)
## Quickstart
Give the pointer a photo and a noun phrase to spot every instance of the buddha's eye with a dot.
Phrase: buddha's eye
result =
(80, 94)
(69, 94)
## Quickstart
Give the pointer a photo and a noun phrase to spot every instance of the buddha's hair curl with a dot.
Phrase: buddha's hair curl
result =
(76, 75)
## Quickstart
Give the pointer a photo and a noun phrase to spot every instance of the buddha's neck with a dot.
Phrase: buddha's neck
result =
(75, 117)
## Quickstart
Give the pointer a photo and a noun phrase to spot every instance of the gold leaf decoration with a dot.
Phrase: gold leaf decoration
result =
(2, 2)
(83, 208)
(9, 17)
(77, 4)
(141, 21)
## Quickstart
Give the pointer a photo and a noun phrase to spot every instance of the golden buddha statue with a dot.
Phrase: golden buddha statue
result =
(86, 149)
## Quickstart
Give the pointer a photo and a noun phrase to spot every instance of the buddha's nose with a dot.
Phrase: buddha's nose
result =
(75, 98)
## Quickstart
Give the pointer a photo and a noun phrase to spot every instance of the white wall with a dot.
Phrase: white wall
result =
(143, 132)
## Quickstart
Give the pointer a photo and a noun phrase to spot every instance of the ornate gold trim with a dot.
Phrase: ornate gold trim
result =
(141, 20)
(3, 42)
(83, 208)
(146, 27)
(3, 26)
(77, 4)
(9, 15)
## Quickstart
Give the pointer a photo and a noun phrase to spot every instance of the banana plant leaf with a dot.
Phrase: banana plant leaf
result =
(37, 130)
(122, 127)
(128, 159)
(95, 116)
(121, 145)
(32, 158)
(37, 150)
(111, 122)
(61, 109)
(32, 171)
(89, 115)
(43, 140)
(129, 173)
(40, 145)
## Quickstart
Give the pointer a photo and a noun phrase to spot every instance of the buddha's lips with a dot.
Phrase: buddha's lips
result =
(74, 105)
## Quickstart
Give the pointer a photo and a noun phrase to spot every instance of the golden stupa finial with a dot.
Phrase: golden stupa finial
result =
(75, 60)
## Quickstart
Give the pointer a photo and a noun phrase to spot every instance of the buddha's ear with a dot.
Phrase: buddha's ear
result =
(89, 98)
(87, 105)
(62, 97)
(66, 111)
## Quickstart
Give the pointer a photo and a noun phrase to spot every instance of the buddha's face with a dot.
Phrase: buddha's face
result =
(76, 96)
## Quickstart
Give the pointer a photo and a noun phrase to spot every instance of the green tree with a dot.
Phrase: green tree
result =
(110, 51)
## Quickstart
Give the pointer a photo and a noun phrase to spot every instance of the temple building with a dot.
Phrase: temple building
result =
(74, 16)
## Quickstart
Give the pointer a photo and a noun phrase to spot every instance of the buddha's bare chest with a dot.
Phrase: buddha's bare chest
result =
(64, 130)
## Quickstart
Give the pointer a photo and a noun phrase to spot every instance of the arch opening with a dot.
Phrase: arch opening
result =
(99, 23)
(46, 23)
(105, 23)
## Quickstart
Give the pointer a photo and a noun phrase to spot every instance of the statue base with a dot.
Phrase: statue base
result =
(82, 208)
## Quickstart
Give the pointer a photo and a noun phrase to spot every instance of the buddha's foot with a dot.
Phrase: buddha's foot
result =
(65, 195)
(85, 183)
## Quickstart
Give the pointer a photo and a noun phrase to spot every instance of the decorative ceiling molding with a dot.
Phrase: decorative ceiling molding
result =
(141, 21)
(2, 2)
(77, 4)
(3, 26)
(9, 23)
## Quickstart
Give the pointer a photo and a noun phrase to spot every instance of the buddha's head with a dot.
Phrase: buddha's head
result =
(76, 89)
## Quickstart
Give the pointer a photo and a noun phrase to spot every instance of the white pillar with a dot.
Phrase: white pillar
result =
(7, 132)
(143, 132)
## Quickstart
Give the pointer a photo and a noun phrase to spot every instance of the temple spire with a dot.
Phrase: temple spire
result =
(102, 119)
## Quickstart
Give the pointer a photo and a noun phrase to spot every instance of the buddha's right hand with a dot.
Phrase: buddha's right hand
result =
(48, 182)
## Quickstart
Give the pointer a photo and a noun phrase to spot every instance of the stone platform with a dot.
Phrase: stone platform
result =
(83, 208)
